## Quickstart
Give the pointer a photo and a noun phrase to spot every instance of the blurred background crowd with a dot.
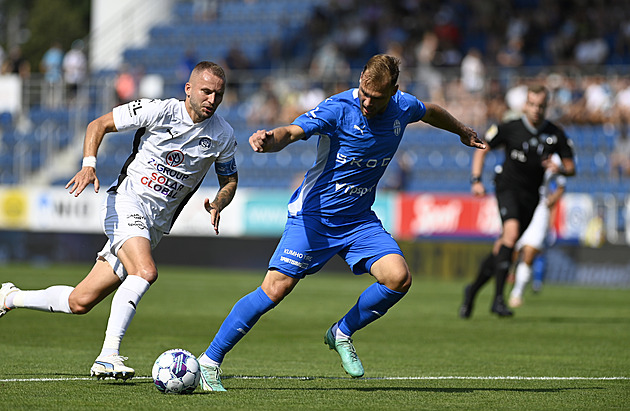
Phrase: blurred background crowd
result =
(283, 57)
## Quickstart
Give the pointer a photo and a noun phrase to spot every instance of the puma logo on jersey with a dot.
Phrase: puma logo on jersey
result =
(359, 128)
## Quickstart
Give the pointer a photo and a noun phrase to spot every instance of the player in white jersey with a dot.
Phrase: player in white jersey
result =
(175, 144)
(532, 242)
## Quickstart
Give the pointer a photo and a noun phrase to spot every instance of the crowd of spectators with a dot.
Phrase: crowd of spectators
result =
(473, 57)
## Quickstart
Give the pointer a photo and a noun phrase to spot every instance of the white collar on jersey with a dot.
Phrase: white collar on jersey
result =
(529, 126)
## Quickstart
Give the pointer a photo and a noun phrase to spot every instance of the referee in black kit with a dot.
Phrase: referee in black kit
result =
(529, 142)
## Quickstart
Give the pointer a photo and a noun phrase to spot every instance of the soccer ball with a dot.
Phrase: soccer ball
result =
(176, 371)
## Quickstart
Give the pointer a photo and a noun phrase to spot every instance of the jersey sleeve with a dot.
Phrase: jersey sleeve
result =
(323, 119)
(416, 108)
(136, 114)
(565, 145)
(493, 136)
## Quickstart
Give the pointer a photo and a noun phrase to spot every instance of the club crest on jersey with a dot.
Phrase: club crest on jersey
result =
(397, 128)
(205, 142)
(174, 158)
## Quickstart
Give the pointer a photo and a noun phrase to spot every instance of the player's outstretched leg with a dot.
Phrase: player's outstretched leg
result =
(7, 288)
(344, 347)
(111, 366)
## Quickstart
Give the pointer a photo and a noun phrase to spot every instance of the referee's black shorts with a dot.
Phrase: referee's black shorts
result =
(518, 204)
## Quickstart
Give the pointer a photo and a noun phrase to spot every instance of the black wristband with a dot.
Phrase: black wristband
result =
(475, 179)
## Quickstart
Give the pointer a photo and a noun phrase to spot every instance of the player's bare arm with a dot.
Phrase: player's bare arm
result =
(440, 118)
(263, 141)
(94, 134)
(476, 185)
(227, 190)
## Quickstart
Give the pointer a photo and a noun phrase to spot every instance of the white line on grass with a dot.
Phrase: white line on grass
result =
(248, 377)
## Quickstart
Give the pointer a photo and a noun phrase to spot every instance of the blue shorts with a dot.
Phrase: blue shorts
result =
(309, 242)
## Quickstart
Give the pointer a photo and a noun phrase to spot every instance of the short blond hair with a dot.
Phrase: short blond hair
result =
(381, 69)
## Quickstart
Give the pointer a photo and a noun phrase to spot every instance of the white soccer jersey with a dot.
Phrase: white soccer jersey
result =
(171, 156)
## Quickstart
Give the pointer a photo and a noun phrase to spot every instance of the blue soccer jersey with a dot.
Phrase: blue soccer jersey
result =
(352, 153)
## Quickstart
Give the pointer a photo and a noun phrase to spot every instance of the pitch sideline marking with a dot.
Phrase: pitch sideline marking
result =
(246, 377)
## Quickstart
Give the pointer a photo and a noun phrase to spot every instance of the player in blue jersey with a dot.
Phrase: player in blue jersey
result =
(358, 133)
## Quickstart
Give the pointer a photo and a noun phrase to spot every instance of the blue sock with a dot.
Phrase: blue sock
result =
(241, 319)
(373, 303)
(539, 267)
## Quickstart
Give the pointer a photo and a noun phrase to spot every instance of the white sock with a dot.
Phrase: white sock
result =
(53, 299)
(123, 309)
(338, 333)
(205, 360)
(523, 274)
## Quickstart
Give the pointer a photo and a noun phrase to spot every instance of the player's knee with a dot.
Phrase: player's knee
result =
(79, 306)
(148, 274)
(399, 281)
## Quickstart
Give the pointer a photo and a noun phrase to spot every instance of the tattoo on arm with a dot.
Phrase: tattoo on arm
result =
(226, 191)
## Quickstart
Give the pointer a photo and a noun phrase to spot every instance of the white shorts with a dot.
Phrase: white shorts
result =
(123, 218)
(535, 234)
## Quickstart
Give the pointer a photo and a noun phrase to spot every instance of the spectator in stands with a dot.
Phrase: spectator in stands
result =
(620, 156)
(598, 100)
(263, 106)
(16, 63)
(359, 130)
(473, 71)
(328, 66)
(528, 142)
(427, 75)
(75, 68)
(177, 143)
(52, 67)
(125, 85)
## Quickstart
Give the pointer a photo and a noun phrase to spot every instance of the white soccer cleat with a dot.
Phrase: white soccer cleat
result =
(7, 288)
(515, 302)
(111, 366)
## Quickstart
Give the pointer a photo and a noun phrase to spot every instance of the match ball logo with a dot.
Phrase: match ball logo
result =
(174, 158)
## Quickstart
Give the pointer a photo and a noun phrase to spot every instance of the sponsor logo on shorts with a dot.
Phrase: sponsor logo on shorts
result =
(296, 258)
(137, 220)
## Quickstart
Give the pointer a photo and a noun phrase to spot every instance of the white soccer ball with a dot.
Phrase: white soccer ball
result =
(176, 371)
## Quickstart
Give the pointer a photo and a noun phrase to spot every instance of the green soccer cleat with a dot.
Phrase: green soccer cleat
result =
(349, 358)
(7, 288)
(211, 378)
(111, 366)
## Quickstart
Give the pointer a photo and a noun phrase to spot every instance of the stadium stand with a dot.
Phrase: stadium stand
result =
(276, 34)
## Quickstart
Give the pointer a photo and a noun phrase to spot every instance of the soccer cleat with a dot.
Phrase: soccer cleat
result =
(349, 358)
(7, 288)
(211, 378)
(515, 302)
(499, 308)
(111, 366)
(537, 286)
(465, 311)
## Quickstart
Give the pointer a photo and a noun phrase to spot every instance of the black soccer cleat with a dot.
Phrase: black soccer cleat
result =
(499, 308)
(465, 311)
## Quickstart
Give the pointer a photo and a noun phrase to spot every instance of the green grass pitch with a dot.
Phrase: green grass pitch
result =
(566, 348)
